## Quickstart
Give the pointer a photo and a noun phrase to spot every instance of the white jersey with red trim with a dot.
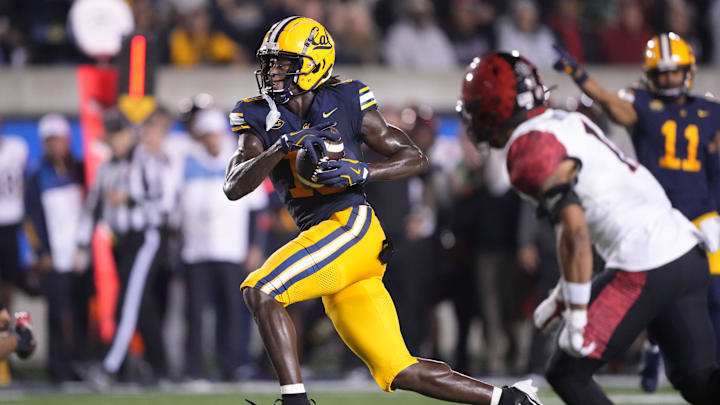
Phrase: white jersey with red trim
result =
(631, 221)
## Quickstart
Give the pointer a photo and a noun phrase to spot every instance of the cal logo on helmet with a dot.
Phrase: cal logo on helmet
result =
(310, 48)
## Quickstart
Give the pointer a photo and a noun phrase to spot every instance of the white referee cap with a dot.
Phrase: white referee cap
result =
(53, 125)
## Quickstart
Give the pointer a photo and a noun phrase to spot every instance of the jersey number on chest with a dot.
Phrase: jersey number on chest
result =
(670, 160)
(299, 190)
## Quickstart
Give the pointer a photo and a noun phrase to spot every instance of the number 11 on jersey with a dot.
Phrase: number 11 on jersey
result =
(670, 160)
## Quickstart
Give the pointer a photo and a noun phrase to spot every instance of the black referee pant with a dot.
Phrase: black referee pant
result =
(68, 296)
(216, 285)
(138, 256)
(671, 302)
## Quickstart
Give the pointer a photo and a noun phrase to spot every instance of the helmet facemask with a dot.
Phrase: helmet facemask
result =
(265, 80)
(670, 93)
(480, 127)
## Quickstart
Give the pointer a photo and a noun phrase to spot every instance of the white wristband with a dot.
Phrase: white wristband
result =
(577, 293)
(496, 394)
(292, 389)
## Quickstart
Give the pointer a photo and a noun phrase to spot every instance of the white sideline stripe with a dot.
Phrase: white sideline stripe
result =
(318, 256)
(133, 298)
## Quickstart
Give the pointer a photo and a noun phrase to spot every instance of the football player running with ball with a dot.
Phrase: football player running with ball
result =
(656, 276)
(341, 253)
(676, 136)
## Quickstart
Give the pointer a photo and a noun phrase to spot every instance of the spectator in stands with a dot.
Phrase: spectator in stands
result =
(195, 41)
(537, 258)
(713, 17)
(501, 286)
(409, 210)
(355, 33)
(624, 41)
(151, 19)
(680, 18)
(523, 32)
(566, 22)
(13, 43)
(54, 198)
(219, 249)
(245, 22)
(314, 9)
(471, 31)
(43, 24)
(416, 42)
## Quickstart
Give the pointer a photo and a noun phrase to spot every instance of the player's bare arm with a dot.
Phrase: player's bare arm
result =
(404, 158)
(620, 111)
(572, 235)
(249, 165)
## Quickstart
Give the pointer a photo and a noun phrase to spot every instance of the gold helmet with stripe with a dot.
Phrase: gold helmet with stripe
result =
(668, 52)
(309, 47)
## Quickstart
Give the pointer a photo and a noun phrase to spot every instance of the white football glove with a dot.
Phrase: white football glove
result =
(571, 339)
(548, 314)
(710, 233)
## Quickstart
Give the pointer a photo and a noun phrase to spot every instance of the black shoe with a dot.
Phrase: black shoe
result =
(650, 374)
(520, 393)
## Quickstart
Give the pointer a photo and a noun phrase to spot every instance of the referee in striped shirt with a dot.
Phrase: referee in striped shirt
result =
(128, 197)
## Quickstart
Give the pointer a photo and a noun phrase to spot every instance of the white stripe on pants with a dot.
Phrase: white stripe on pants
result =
(133, 298)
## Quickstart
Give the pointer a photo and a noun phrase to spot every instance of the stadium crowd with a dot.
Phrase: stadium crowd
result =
(192, 32)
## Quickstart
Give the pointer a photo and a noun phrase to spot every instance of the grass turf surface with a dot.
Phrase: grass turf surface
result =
(622, 396)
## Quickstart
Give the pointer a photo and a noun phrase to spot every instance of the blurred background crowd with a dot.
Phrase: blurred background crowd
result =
(394, 33)
(472, 259)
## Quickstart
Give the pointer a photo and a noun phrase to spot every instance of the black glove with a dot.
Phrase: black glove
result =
(568, 64)
(23, 333)
(521, 393)
(308, 138)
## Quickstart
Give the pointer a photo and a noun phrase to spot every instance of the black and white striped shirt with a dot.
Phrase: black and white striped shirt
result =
(143, 177)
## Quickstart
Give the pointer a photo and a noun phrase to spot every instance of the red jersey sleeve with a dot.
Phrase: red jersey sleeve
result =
(532, 158)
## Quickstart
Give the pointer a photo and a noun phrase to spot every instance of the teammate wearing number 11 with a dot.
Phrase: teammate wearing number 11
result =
(676, 136)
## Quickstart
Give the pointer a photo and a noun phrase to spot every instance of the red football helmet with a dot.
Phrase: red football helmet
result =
(499, 91)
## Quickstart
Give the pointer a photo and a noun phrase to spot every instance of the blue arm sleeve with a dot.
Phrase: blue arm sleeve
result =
(713, 174)
(36, 214)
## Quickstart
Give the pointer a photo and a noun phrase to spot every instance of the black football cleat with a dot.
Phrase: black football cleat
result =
(520, 393)
(650, 372)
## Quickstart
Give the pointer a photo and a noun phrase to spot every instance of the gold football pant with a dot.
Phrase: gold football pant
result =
(713, 257)
(337, 260)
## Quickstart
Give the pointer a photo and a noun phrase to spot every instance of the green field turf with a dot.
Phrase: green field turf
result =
(621, 396)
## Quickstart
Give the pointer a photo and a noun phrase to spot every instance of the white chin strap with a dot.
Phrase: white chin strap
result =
(273, 115)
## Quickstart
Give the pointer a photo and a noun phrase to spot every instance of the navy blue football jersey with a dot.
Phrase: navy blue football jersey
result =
(345, 103)
(673, 142)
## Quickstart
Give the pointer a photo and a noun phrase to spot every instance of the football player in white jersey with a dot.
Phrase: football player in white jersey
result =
(13, 161)
(656, 277)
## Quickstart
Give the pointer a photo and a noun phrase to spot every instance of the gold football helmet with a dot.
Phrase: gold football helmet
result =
(309, 47)
(668, 52)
